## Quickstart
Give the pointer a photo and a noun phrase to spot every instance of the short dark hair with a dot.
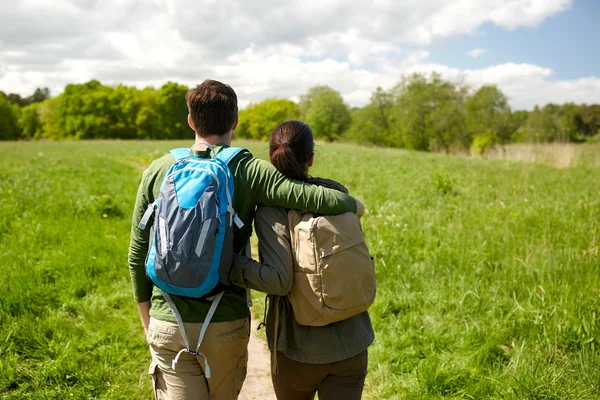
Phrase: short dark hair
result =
(213, 107)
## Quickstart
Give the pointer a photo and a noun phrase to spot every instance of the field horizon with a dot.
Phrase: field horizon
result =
(488, 271)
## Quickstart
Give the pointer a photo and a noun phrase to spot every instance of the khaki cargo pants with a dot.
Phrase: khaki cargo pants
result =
(225, 345)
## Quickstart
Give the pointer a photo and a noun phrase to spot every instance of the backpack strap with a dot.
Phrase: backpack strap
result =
(213, 307)
(180, 153)
(146, 217)
(228, 154)
(274, 366)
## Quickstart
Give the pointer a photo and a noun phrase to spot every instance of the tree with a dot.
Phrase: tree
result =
(48, 114)
(422, 112)
(307, 99)
(590, 117)
(487, 111)
(172, 111)
(411, 115)
(371, 124)
(428, 113)
(448, 126)
(328, 115)
(9, 127)
(518, 120)
(94, 111)
(258, 120)
(148, 120)
(17, 100)
(570, 123)
(29, 122)
(39, 95)
(542, 124)
(77, 113)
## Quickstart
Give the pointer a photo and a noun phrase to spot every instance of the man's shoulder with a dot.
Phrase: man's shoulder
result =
(240, 163)
(243, 154)
(161, 164)
(157, 170)
(165, 161)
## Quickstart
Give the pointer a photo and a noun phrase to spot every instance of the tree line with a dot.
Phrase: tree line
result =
(432, 114)
(95, 111)
(422, 112)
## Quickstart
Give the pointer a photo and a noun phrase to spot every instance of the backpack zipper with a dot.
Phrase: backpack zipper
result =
(313, 230)
(313, 239)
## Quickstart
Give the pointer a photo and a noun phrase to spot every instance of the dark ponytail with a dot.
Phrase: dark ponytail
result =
(290, 148)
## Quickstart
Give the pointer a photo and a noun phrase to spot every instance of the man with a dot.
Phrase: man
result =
(213, 115)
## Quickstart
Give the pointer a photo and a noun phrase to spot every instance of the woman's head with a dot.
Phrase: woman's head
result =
(291, 149)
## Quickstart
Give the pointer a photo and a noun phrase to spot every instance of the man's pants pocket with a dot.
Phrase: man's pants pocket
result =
(154, 372)
(225, 346)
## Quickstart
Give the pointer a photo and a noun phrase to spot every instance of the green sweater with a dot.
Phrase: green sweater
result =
(257, 182)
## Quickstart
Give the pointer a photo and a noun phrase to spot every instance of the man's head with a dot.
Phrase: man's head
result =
(213, 109)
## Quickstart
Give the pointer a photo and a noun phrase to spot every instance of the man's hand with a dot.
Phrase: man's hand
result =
(144, 311)
(360, 208)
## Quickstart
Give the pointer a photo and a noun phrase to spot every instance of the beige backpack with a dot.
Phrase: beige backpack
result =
(334, 274)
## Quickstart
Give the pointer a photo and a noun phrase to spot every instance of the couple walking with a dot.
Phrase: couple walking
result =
(328, 356)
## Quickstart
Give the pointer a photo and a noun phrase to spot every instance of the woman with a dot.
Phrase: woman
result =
(332, 359)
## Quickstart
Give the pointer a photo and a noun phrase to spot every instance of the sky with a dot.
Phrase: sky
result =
(535, 51)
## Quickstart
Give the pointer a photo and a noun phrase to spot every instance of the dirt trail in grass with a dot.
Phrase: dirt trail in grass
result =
(258, 384)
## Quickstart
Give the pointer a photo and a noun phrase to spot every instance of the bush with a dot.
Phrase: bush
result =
(482, 143)
(258, 120)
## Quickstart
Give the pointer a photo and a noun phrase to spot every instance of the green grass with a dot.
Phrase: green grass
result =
(488, 272)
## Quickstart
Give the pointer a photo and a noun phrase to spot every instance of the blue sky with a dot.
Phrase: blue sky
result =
(568, 43)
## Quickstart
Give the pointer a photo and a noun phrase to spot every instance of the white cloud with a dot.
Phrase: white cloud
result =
(265, 48)
(515, 13)
(525, 84)
(476, 53)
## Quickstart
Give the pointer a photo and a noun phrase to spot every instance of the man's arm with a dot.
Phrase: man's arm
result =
(273, 274)
(271, 188)
(138, 248)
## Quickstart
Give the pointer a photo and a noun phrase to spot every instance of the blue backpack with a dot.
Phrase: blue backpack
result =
(191, 247)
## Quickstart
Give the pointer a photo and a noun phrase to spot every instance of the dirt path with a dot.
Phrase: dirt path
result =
(258, 384)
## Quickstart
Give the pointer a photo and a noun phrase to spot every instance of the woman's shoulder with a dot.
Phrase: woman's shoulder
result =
(271, 214)
(269, 220)
(327, 183)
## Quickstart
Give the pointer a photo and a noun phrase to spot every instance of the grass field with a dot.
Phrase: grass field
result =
(488, 272)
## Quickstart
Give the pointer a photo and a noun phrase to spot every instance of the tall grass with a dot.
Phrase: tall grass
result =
(560, 155)
(488, 272)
